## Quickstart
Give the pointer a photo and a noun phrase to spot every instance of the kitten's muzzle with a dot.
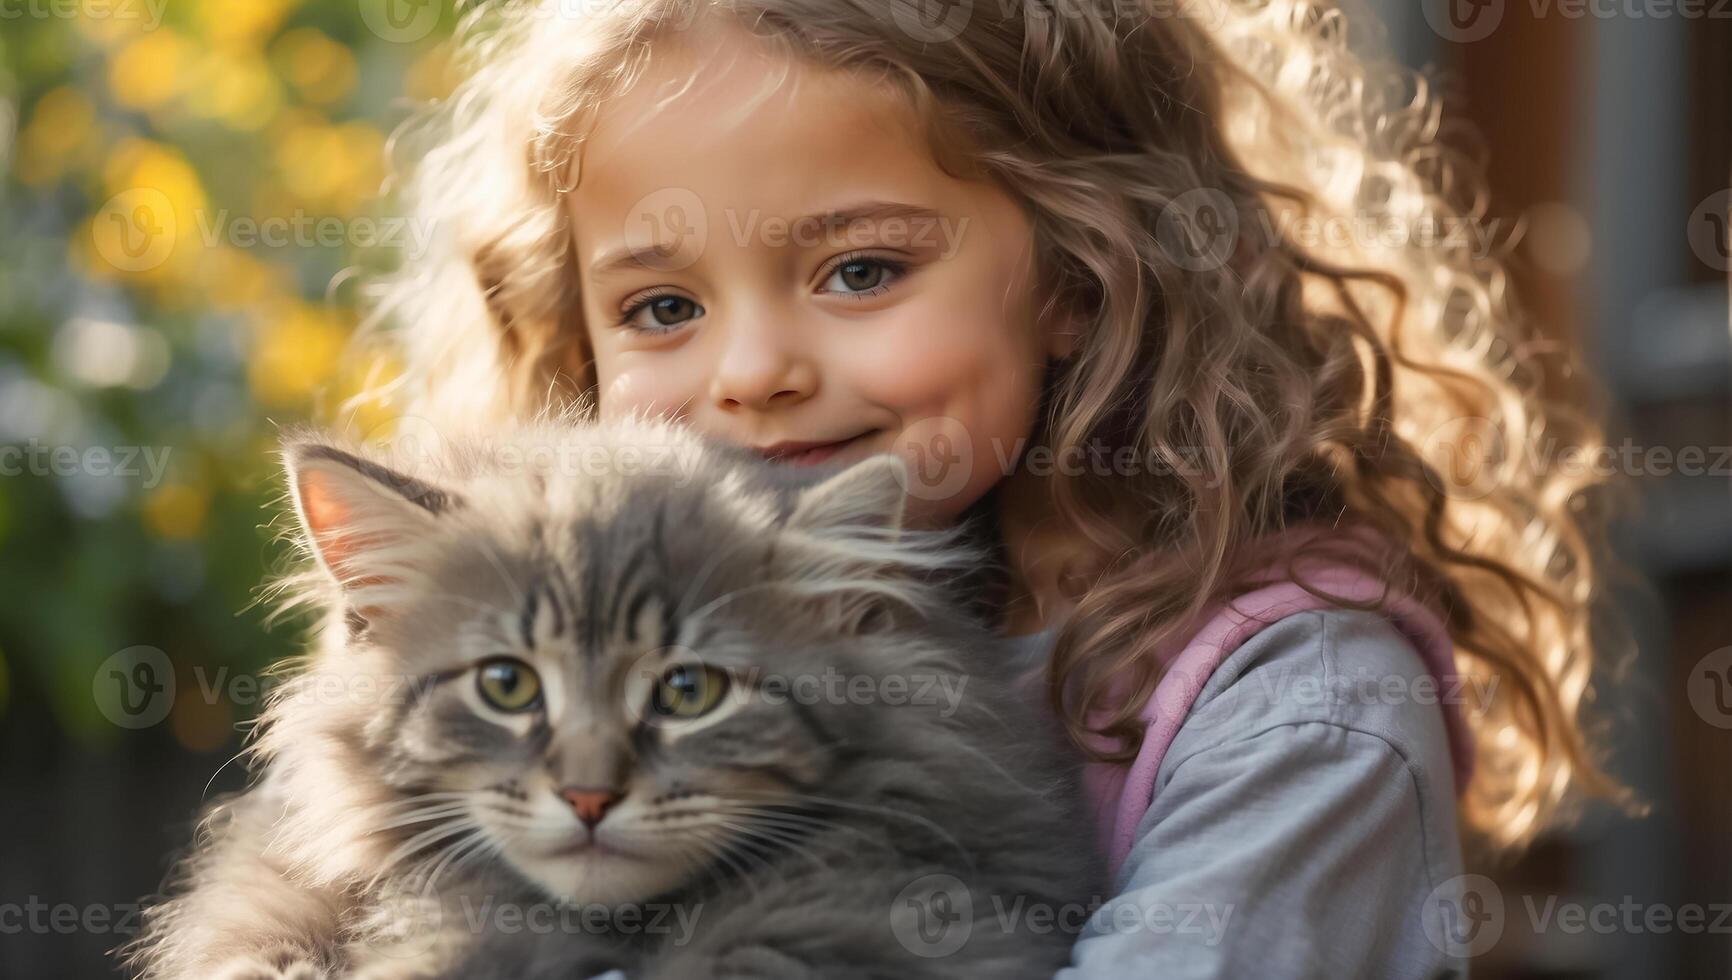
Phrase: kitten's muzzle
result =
(590, 805)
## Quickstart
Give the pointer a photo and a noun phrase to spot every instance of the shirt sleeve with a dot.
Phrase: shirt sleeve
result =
(1303, 820)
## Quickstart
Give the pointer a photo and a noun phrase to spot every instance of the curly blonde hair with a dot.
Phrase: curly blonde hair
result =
(1350, 353)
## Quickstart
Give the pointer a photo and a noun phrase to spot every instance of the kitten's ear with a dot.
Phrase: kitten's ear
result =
(847, 566)
(869, 493)
(357, 515)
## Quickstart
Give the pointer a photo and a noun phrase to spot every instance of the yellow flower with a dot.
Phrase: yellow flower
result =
(296, 352)
(59, 127)
(322, 70)
(176, 510)
(431, 76)
(236, 87)
(149, 227)
(234, 280)
(136, 20)
(241, 23)
(134, 162)
(364, 148)
(149, 69)
(331, 169)
(310, 156)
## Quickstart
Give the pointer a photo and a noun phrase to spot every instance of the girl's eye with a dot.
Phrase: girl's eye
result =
(509, 684)
(661, 314)
(688, 692)
(862, 276)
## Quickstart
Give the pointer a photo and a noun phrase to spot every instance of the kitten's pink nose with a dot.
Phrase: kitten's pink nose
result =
(590, 805)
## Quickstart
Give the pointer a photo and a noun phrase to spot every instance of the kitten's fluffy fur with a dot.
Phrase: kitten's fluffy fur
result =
(398, 808)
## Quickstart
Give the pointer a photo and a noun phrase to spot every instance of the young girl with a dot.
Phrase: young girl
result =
(1179, 303)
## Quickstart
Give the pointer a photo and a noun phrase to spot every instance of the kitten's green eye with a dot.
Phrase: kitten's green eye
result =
(688, 692)
(509, 684)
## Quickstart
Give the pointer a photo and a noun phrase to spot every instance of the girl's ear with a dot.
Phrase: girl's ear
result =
(360, 519)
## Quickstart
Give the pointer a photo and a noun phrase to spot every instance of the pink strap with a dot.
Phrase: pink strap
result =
(1122, 795)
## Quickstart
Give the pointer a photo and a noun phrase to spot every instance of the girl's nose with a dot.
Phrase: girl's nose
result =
(758, 371)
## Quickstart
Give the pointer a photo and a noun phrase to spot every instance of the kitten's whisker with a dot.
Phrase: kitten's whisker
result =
(477, 838)
(825, 801)
(793, 820)
(419, 798)
(786, 818)
(441, 856)
(529, 825)
(423, 816)
(721, 853)
(219, 771)
(425, 839)
(783, 816)
(701, 857)
(765, 853)
(519, 819)
(775, 837)
(488, 847)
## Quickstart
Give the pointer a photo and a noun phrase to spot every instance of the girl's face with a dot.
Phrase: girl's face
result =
(775, 260)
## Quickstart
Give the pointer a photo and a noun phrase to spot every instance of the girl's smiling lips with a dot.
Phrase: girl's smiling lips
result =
(808, 453)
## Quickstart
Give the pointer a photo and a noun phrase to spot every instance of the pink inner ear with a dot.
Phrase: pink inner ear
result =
(329, 518)
(326, 515)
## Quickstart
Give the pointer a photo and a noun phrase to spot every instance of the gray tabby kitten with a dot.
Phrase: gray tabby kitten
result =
(577, 709)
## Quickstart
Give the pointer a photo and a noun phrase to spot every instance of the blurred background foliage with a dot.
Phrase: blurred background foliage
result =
(192, 187)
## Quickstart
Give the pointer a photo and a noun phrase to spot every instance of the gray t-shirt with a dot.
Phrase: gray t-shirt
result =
(1303, 819)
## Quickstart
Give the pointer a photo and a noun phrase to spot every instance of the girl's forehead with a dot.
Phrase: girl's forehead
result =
(722, 116)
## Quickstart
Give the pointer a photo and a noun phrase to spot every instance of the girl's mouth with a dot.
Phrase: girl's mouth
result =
(809, 453)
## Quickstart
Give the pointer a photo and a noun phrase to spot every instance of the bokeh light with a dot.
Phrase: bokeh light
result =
(182, 191)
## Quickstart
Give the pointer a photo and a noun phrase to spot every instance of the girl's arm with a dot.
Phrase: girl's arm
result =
(1303, 820)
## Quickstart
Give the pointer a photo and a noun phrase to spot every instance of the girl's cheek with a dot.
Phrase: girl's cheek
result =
(640, 389)
(943, 354)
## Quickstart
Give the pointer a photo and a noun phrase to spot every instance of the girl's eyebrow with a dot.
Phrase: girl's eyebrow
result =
(626, 257)
(869, 211)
